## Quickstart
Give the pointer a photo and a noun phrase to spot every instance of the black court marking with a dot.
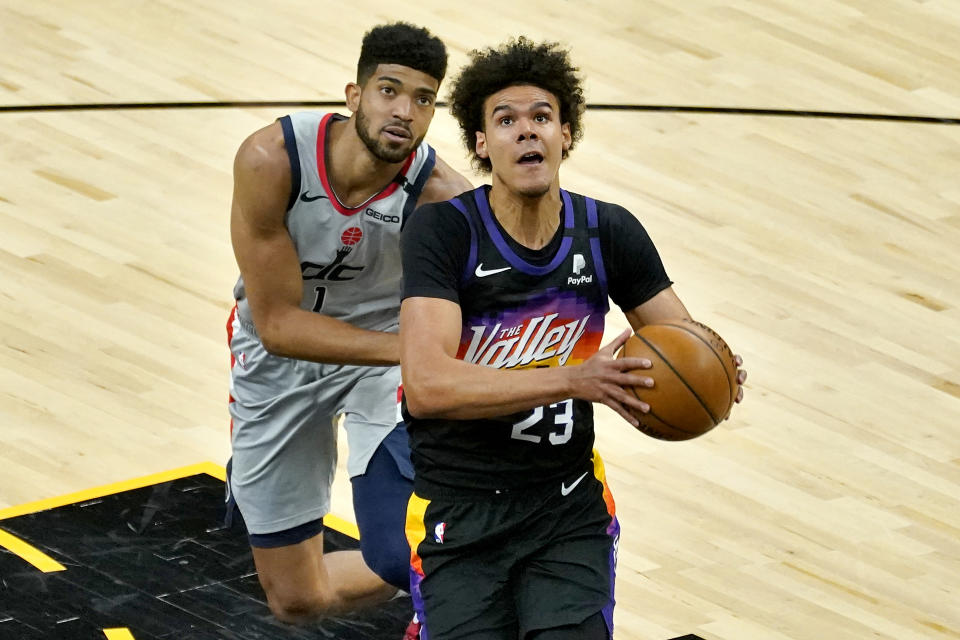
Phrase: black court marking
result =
(689, 636)
(679, 377)
(158, 561)
(664, 108)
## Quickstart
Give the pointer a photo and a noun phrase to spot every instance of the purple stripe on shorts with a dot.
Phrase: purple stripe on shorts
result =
(613, 530)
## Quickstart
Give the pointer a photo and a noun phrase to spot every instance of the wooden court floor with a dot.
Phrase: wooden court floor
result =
(825, 250)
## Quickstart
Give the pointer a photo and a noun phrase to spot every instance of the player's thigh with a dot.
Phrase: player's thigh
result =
(380, 497)
(570, 577)
(369, 409)
(460, 585)
(283, 443)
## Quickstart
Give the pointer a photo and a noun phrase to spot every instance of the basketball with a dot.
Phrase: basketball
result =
(695, 378)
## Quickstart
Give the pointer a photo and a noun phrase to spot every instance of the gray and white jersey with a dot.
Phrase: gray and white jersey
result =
(349, 257)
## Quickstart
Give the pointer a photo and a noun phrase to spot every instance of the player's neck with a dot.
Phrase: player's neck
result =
(530, 220)
(354, 173)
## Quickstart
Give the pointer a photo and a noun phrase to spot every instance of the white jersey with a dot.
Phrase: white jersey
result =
(349, 257)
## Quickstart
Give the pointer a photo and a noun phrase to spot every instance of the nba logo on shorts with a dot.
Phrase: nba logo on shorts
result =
(438, 532)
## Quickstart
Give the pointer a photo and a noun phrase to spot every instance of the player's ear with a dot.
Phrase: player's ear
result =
(481, 146)
(352, 92)
(567, 138)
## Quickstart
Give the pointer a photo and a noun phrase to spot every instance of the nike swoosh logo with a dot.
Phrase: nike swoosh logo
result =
(482, 273)
(306, 197)
(565, 490)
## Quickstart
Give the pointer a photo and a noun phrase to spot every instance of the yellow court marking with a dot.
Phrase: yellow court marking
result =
(119, 633)
(29, 553)
(108, 489)
(215, 470)
(345, 527)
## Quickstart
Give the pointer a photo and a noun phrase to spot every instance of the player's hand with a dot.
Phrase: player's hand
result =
(741, 376)
(604, 378)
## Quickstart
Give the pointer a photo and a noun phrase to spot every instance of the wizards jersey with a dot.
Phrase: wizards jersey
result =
(519, 313)
(349, 256)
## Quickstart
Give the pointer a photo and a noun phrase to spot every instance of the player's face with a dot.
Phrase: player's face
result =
(524, 139)
(393, 109)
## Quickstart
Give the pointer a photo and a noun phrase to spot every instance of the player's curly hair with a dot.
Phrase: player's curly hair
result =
(405, 44)
(516, 62)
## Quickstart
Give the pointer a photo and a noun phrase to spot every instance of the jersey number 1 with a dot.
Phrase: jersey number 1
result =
(318, 303)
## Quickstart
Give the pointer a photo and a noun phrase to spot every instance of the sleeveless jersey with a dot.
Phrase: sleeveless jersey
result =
(349, 257)
(519, 315)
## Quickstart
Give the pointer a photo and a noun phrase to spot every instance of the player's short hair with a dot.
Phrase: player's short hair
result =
(516, 62)
(405, 44)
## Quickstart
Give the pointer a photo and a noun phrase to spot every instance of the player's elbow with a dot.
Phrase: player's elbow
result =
(425, 397)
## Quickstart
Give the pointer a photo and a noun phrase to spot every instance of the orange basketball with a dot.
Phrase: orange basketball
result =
(695, 378)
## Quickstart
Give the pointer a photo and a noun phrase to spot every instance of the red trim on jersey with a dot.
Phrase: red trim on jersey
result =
(322, 171)
(233, 360)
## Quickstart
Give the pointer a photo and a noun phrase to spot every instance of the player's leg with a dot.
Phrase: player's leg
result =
(303, 583)
(380, 497)
(284, 457)
(380, 470)
(460, 575)
(593, 628)
(567, 584)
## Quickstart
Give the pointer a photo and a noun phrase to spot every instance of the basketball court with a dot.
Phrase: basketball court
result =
(795, 163)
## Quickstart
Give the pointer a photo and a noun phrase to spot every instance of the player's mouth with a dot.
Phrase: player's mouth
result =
(397, 133)
(531, 158)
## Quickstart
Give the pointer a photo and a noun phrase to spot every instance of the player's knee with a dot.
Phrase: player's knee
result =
(389, 558)
(295, 606)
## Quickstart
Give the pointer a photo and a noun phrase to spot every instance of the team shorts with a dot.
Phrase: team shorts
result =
(496, 566)
(284, 429)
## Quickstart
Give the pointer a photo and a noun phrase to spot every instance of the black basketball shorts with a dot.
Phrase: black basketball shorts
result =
(496, 566)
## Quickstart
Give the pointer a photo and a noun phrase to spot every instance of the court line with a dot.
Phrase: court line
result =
(247, 104)
(29, 553)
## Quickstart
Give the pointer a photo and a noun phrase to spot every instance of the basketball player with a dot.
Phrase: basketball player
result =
(512, 526)
(318, 204)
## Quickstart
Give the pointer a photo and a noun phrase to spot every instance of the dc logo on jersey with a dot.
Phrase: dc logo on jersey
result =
(578, 264)
(439, 531)
(336, 271)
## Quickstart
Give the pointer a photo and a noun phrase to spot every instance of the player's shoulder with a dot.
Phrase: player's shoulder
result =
(606, 211)
(444, 183)
(263, 152)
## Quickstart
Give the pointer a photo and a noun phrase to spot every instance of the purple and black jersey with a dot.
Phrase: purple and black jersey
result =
(521, 308)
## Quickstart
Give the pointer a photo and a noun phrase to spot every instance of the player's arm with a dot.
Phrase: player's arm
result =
(444, 183)
(271, 270)
(438, 385)
(662, 307)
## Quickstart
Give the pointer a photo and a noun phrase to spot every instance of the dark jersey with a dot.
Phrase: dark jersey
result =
(521, 308)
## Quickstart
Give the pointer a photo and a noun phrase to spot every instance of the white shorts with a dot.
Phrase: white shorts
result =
(284, 434)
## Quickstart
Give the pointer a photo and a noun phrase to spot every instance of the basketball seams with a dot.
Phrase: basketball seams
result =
(680, 377)
(662, 436)
(712, 350)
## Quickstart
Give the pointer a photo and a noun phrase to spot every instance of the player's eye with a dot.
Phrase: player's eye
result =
(506, 121)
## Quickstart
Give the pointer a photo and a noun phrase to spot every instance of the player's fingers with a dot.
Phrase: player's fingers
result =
(633, 380)
(626, 415)
(738, 360)
(739, 395)
(629, 364)
(612, 346)
(741, 376)
(629, 399)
